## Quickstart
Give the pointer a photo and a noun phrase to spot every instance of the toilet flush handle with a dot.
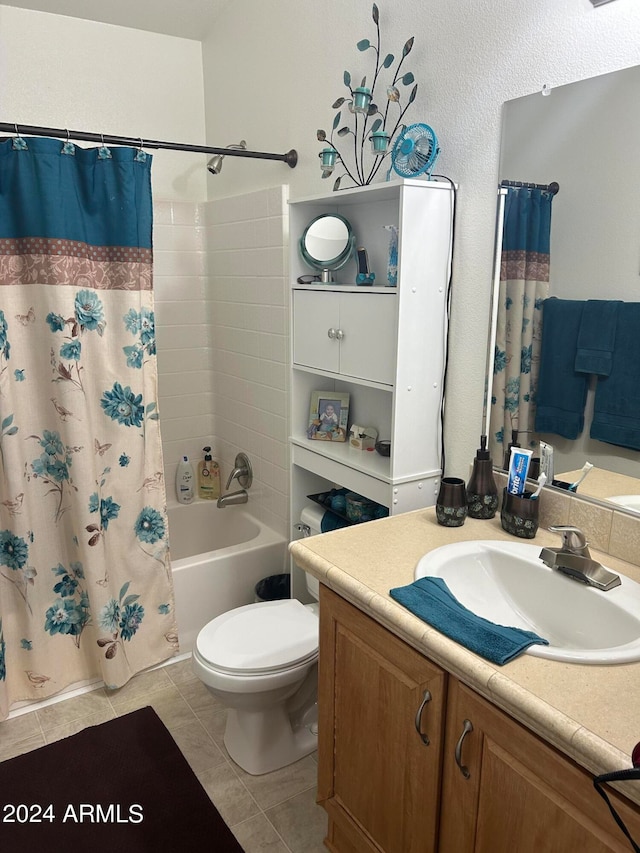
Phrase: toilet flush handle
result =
(303, 529)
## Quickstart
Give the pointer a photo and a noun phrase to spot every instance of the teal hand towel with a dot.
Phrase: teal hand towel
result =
(432, 601)
(597, 337)
(562, 392)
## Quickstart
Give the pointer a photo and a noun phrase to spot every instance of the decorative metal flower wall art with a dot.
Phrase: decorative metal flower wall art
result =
(371, 122)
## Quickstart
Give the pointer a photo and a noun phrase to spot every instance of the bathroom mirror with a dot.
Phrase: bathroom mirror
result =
(327, 242)
(585, 136)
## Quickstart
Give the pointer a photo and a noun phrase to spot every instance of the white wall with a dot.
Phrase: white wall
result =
(273, 83)
(66, 72)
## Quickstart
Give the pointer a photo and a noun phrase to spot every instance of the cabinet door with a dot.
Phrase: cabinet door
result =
(378, 779)
(520, 794)
(368, 324)
(353, 334)
(314, 315)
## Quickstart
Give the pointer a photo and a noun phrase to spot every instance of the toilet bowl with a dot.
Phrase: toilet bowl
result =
(260, 661)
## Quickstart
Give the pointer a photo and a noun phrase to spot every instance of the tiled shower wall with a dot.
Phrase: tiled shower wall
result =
(221, 303)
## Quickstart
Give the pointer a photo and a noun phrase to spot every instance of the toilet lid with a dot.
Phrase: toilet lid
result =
(260, 638)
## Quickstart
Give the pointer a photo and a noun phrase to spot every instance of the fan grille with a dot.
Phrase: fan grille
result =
(415, 151)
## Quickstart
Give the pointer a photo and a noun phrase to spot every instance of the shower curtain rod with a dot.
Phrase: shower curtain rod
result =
(553, 187)
(290, 158)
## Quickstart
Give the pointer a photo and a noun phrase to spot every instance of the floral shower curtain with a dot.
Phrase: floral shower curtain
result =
(85, 583)
(524, 285)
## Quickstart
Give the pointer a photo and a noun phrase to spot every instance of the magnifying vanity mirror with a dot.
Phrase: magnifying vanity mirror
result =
(327, 244)
(586, 137)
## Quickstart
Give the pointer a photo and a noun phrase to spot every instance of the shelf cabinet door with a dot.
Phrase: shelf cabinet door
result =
(378, 779)
(520, 793)
(351, 334)
(368, 348)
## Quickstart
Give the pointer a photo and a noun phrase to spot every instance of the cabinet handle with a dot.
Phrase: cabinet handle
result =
(339, 334)
(466, 728)
(426, 698)
(331, 333)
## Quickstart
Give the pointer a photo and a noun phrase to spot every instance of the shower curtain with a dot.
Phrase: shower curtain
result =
(85, 583)
(524, 285)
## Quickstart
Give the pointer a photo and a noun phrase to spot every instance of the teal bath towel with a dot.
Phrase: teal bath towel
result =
(432, 601)
(597, 336)
(562, 392)
(616, 414)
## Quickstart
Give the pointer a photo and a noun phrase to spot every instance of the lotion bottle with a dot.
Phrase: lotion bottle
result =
(482, 492)
(185, 481)
(208, 477)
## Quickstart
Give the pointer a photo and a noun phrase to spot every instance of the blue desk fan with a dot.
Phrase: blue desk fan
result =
(415, 152)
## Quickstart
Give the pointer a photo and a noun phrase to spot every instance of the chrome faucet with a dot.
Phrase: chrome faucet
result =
(233, 499)
(573, 559)
(243, 473)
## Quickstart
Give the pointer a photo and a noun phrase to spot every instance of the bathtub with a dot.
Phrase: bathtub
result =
(217, 558)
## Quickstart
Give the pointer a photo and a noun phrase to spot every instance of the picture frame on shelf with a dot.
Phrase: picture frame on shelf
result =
(328, 416)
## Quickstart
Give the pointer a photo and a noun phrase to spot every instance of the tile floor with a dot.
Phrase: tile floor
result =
(274, 813)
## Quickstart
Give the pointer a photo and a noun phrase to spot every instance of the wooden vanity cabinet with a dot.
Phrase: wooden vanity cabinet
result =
(386, 791)
(520, 794)
(378, 779)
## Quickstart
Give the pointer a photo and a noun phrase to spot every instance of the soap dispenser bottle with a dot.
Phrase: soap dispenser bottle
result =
(482, 492)
(185, 485)
(208, 477)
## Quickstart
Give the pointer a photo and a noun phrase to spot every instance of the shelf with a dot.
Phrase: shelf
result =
(343, 377)
(343, 287)
(368, 462)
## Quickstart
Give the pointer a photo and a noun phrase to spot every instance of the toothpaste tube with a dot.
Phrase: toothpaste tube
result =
(518, 470)
(546, 460)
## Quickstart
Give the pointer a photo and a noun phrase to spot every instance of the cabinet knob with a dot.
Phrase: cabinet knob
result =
(466, 728)
(418, 721)
(331, 333)
(339, 334)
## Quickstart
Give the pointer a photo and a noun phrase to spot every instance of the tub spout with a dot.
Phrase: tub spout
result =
(233, 499)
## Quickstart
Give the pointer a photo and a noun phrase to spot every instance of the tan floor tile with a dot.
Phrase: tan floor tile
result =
(257, 835)
(198, 697)
(197, 747)
(301, 823)
(20, 746)
(141, 686)
(215, 722)
(181, 672)
(19, 728)
(228, 794)
(273, 788)
(167, 703)
(75, 726)
(69, 710)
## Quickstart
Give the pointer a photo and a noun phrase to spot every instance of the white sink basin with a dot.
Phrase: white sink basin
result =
(507, 583)
(627, 501)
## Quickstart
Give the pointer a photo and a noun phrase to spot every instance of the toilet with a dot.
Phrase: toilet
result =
(261, 662)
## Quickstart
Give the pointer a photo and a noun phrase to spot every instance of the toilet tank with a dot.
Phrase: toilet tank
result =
(311, 517)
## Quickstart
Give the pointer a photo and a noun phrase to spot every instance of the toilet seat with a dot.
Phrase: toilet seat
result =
(257, 639)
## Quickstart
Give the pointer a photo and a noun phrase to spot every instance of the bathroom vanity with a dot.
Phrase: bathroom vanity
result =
(424, 746)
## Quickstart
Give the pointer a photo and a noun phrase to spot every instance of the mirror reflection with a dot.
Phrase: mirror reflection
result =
(586, 137)
(327, 242)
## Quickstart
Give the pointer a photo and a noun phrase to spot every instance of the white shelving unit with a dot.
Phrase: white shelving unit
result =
(390, 358)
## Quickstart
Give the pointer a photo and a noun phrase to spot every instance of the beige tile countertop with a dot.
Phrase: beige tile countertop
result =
(588, 712)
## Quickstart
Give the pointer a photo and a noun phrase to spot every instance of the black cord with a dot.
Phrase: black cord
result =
(448, 319)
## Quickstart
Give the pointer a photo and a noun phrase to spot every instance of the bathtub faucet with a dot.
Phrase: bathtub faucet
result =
(233, 498)
(243, 473)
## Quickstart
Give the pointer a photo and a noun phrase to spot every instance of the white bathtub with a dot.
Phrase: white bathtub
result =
(217, 557)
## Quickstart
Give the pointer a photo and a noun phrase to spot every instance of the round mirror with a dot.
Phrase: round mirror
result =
(327, 242)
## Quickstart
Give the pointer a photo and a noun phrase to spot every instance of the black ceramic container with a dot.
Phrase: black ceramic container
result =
(519, 515)
(451, 503)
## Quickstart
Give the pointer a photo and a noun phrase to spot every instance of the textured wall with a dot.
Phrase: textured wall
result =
(273, 83)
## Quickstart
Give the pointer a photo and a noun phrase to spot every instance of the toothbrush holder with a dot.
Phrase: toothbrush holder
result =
(519, 514)
(451, 503)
